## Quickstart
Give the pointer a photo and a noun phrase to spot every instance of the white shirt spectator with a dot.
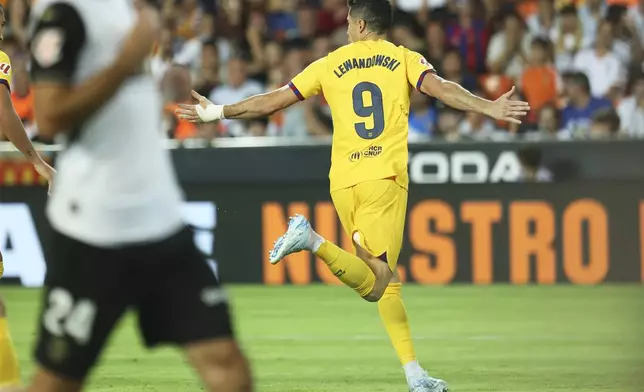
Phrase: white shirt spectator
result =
(589, 23)
(603, 72)
(189, 54)
(537, 30)
(497, 47)
(158, 67)
(227, 94)
(632, 117)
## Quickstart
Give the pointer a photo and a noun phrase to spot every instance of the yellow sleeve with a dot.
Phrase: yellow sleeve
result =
(417, 68)
(307, 83)
(5, 70)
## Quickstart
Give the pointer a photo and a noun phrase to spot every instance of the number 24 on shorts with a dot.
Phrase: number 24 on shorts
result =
(66, 317)
(375, 111)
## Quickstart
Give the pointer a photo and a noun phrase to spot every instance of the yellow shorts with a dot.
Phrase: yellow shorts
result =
(376, 210)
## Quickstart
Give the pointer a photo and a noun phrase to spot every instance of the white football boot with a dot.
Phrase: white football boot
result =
(295, 239)
(425, 383)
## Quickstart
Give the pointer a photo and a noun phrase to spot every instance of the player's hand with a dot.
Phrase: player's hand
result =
(138, 45)
(47, 172)
(203, 111)
(509, 110)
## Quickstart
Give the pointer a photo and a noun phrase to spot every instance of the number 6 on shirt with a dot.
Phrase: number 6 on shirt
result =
(375, 110)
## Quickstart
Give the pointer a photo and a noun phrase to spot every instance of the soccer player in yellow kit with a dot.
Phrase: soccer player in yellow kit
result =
(12, 128)
(367, 85)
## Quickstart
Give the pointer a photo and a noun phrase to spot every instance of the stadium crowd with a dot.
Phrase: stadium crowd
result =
(579, 63)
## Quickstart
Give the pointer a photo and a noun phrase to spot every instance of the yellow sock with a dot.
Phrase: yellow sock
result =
(350, 269)
(394, 316)
(9, 370)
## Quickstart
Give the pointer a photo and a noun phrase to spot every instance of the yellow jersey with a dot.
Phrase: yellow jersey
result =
(5, 70)
(367, 85)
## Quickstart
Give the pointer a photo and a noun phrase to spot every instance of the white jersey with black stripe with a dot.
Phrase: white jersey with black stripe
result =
(115, 183)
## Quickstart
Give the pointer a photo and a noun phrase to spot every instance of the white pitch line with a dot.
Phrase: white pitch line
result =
(304, 338)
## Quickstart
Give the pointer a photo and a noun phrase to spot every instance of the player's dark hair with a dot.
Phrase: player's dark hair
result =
(377, 14)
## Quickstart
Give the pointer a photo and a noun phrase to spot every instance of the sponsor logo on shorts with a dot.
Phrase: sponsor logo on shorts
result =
(355, 156)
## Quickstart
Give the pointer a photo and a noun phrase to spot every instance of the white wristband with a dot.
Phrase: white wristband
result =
(212, 112)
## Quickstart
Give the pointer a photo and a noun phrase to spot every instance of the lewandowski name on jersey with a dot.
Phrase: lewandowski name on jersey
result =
(378, 60)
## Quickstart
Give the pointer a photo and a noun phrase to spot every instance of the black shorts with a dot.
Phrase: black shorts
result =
(169, 284)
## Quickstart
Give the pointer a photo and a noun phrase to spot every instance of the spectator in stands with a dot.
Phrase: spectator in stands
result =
(436, 42)
(591, 13)
(294, 116)
(509, 48)
(623, 34)
(544, 22)
(452, 69)
(447, 127)
(191, 25)
(332, 16)
(163, 55)
(569, 39)
(176, 87)
(470, 35)
(207, 76)
(549, 124)
(631, 109)
(532, 169)
(477, 127)
(403, 34)
(493, 15)
(577, 115)
(257, 127)
(601, 65)
(540, 81)
(605, 124)
(237, 87)
(322, 46)
(282, 19)
(422, 116)
(259, 45)
(307, 21)
(317, 117)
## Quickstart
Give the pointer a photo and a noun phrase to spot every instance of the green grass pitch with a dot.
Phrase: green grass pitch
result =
(325, 339)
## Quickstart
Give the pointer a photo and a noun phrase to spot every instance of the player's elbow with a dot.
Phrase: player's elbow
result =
(435, 86)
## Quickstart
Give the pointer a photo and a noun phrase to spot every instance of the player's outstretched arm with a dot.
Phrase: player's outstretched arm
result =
(14, 130)
(260, 105)
(459, 98)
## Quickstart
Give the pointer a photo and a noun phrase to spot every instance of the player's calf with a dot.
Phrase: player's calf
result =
(221, 365)
(380, 270)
